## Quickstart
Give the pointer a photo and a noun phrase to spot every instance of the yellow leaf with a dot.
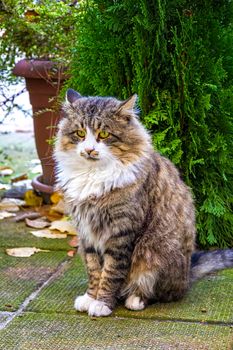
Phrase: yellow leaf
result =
(63, 226)
(48, 234)
(24, 252)
(32, 199)
(56, 197)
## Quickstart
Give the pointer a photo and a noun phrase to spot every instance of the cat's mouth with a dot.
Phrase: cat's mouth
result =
(89, 156)
(92, 158)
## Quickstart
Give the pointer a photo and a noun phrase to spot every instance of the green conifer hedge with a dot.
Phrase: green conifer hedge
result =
(177, 55)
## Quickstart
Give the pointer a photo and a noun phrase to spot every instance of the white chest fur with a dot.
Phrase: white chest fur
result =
(81, 178)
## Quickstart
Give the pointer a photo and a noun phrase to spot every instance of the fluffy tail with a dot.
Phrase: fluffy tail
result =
(203, 263)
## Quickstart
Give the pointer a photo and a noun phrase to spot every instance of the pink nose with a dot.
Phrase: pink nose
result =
(89, 150)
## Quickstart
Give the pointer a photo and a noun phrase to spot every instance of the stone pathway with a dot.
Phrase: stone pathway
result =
(36, 306)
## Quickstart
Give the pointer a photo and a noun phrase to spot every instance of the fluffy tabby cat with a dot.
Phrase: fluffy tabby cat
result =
(134, 214)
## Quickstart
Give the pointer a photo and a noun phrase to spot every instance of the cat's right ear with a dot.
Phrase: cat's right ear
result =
(72, 96)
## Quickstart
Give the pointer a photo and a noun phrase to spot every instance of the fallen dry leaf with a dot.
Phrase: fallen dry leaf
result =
(4, 186)
(63, 226)
(32, 199)
(6, 214)
(59, 207)
(24, 252)
(71, 253)
(73, 242)
(11, 204)
(5, 171)
(19, 178)
(45, 210)
(56, 197)
(48, 234)
(39, 223)
(27, 214)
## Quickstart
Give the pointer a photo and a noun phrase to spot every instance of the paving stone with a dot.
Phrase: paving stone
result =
(66, 332)
(21, 276)
(210, 299)
(4, 316)
(18, 235)
(59, 296)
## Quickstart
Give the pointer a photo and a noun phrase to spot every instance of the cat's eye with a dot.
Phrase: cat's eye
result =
(80, 133)
(103, 134)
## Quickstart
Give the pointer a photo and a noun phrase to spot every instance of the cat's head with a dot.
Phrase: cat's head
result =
(100, 129)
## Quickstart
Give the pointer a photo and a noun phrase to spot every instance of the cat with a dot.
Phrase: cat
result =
(134, 215)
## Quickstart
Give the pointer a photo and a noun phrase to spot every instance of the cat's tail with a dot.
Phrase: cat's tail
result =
(206, 262)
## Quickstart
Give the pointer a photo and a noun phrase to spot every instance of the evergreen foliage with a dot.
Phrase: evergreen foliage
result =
(178, 57)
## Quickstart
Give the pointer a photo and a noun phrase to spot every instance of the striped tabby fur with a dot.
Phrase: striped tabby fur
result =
(134, 214)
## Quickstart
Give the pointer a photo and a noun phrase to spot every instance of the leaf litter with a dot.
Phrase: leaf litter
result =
(24, 252)
(47, 233)
(49, 220)
(63, 226)
(42, 222)
(6, 214)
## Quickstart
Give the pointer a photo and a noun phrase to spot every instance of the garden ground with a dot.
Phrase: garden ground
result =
(37, 295)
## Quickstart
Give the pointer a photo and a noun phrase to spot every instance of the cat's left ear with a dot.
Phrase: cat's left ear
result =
(127, 109)
(72, 96)
(129, 104)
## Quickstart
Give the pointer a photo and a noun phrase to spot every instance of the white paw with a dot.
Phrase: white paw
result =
(134, 303)
(99, 308)
(83, 302)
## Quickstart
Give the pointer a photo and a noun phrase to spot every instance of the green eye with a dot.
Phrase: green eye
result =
(80, 133)
(103, 134)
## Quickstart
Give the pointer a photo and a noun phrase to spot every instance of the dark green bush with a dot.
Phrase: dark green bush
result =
(178, 57)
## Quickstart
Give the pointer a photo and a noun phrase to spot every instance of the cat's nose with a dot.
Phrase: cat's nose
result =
(89, 150)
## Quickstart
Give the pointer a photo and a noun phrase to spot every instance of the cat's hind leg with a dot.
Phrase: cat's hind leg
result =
(139, 290)
(135, 302)
(161, 281)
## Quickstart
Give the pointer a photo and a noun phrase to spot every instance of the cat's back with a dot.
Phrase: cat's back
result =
(170, 199)
(165, 178)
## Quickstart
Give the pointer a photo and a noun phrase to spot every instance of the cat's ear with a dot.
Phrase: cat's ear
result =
(127, 110)
(129, 104)
(72, 96)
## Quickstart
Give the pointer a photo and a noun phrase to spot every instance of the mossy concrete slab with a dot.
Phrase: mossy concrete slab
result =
(66, 332)
(21, 276)
(59, 295)
(18, 235)
(210, 299)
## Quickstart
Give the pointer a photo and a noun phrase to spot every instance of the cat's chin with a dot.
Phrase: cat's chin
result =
(91, 159)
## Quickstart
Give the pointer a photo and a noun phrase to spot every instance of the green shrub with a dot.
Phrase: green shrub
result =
(178, 57)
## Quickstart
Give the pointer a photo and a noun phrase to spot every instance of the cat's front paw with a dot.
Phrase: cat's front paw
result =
(99, 308)
(83, 302)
